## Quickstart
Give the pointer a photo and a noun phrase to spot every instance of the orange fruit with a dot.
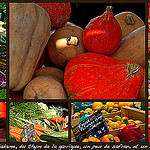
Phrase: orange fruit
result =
(85, 140)
(116, 102)
(88, 111)
(120, 122)
(115, 125)
(121, 104)
(110, 104)
(125, 118)
(130, 104)
(123, 125)
(110, 128)
(93, 139)
(97, 106)
(108, 123)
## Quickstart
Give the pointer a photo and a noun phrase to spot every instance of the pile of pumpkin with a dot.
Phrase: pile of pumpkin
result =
(103, 61)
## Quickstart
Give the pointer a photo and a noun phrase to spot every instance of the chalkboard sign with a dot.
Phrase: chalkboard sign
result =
(81, 106)
(94, 126)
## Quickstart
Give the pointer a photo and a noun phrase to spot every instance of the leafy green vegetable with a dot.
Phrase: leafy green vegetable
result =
(3, 94)
(24, 110)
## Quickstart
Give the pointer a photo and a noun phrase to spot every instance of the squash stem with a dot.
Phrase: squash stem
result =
(72, 40)
(109, 9)
(133, 69)
(129, 20)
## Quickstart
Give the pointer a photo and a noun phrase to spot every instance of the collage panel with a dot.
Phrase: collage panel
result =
(55, 59)
(38, 122)
(108, 122)
(2, 51)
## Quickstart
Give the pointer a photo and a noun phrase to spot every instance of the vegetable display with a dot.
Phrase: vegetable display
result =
(126, 124)
(57, 59)
(41, 116)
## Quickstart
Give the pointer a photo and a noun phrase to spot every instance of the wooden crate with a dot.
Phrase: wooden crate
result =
(126, 111)
(133, 113)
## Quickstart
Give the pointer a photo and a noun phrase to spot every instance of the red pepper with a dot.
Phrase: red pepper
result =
(130, 133)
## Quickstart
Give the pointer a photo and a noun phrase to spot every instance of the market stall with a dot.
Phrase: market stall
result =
(38, 122)
(119, 116)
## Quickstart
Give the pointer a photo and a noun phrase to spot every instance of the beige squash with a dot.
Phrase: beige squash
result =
(132, 47)
(50, 71)
(29, 31)
(44, 87)
(64, 44)
(128, 22)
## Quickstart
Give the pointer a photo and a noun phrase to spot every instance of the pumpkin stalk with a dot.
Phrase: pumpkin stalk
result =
(73, 40)
(109, 9)
(133, 69)
(129, 20)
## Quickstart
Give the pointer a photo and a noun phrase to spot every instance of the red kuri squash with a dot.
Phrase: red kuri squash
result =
(96, 76)
(103, 34)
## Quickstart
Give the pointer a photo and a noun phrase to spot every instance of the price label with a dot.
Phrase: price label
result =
(94, 126)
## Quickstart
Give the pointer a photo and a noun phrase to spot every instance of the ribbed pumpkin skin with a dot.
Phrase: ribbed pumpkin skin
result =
(95, 76)
(29, 31)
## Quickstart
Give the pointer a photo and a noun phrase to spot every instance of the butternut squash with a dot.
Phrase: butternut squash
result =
(29, 31)
(128, 22)
(132, 47)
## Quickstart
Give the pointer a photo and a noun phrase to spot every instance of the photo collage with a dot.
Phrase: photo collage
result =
(74, 72)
